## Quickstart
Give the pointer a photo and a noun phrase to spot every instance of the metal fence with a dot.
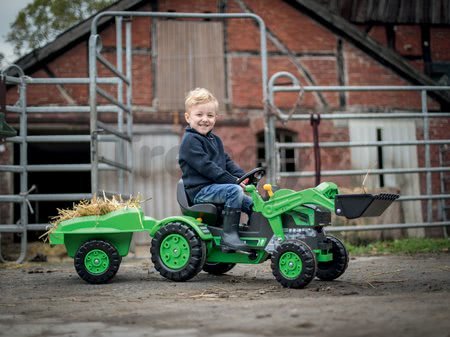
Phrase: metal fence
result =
(99, 132)
(121, 133)
(273, 147)
(95, 47)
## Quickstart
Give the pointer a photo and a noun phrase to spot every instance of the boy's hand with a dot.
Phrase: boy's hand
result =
(243, 183)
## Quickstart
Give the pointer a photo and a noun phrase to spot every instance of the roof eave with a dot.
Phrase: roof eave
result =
(382, 54)
(70, 37)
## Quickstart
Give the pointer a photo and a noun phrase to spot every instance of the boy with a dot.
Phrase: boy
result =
(209, 174)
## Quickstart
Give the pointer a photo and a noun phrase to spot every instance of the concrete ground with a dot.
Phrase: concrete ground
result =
(377, 296)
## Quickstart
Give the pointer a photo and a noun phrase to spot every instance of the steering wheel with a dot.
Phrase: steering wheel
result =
(254, 176)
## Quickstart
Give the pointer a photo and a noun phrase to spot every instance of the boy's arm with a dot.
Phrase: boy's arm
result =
(233, 168)
(194, 155)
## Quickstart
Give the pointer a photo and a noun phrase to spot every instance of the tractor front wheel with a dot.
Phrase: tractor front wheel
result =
(218, 268)
(97, 261)
(294, 264)
(328, 271)
(177, 252)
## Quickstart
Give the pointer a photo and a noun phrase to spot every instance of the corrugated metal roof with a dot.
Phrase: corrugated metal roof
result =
(351, 33)
(391, 11)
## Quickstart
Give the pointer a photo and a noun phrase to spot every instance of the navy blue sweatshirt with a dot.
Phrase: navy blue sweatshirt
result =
(203, 162)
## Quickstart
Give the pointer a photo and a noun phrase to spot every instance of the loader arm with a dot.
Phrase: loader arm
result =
(286, 200)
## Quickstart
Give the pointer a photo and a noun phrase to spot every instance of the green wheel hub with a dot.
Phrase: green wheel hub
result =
(175, 251)
(96, 262)
(290, 265)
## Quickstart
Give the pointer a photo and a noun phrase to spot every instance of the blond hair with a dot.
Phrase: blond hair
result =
(200, 96)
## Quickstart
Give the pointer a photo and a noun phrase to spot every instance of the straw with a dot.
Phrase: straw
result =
(95, 206)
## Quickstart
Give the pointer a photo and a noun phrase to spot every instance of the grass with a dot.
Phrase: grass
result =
(402, 246)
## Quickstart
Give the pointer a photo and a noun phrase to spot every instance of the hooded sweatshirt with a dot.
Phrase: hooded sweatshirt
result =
(203, 162)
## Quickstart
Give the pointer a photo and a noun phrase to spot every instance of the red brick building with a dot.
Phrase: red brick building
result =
(322, 43)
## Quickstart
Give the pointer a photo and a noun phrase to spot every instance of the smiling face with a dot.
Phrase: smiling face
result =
(202, 117)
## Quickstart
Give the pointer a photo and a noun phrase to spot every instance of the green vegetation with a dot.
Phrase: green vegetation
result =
(403, 246)
(42, 20)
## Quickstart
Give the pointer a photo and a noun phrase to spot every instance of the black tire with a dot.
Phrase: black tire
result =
(218, 268)
(303, 262)
(108, 261)
(178, 268)
(328, 271)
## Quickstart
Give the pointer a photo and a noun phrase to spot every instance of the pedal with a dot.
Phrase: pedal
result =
(243, 227)
(226, 249)
(252, 255)
(244, 252)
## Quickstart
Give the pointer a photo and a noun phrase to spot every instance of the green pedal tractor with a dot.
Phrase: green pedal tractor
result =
(286, 226)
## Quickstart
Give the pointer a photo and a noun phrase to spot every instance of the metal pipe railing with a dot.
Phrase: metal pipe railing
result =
(61, 109)
(119, 105)
(94, 50)
(361, 144)
(113, 131)
(108, 65)
(119, 61)
(114, 164)
(61, 139)
(424, 115)
(329, 173)
(51, 168)
(369, 115)
(24, 197)
(45, 197)
(114, 101)
(59, 80)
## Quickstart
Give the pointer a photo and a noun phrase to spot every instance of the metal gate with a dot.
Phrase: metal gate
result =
(273, 147)
(120, 133)
(99, 132)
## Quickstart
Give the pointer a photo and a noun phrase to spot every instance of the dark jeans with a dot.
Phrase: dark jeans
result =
(231, 195)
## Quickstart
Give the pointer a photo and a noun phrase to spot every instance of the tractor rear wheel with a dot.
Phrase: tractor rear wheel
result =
(97, 261)
(294, 264)
(328, 271)
(218, 268)
(177, 252)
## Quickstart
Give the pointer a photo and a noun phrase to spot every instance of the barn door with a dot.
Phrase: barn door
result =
(389, 157)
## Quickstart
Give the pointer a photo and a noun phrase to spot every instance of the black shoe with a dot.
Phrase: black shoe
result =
(230, 237)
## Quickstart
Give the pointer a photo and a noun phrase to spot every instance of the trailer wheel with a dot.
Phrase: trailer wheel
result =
(177, 252)
(218, 268)
(331, 270)
(294, 264)
(97, 261)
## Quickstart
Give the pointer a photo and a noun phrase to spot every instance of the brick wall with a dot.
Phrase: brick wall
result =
(408, 40)
(378, 33)
(292, 28)
(314, 48)
(439, 37)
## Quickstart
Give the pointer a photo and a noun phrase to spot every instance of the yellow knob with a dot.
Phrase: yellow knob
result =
(268, 188)
(199, 219)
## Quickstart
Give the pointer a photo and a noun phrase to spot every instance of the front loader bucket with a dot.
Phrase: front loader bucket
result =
(360, 205)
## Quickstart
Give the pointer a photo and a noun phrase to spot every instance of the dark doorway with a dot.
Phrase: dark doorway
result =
(53, 182)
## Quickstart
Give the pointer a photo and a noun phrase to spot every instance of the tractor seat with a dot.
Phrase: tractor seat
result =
(207, 212)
